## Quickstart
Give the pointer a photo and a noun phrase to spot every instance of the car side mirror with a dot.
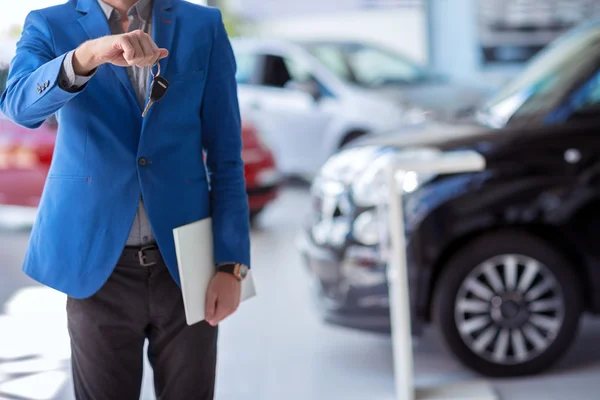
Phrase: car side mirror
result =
(310, 87)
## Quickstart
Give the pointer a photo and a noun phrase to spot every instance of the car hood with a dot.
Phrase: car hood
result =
(439, 135)
(418, 142)
(443, 100)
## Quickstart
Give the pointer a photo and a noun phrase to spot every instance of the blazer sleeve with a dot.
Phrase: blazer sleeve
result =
(222, 142)
(32, 91)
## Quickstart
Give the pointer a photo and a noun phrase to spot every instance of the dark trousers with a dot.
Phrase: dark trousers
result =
(108, 331)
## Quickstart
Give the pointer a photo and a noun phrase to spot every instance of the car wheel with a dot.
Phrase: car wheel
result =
(508, 304)
(254, 215)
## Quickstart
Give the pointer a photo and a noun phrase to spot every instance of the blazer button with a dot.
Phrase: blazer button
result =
(142, 162)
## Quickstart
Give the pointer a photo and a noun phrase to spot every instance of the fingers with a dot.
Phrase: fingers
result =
(128, 49)
(218, 307)
(223, 310)
(153, 47)
(223, 298)
(220, 315)
(138, 53)
(140, 50)
(148, 46)
(211, 307)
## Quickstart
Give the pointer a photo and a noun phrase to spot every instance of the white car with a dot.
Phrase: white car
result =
(311, 98)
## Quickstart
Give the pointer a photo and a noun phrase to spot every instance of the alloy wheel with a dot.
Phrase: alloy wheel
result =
(509, 309)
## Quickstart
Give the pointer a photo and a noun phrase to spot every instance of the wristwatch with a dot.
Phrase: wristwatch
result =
(240, 271)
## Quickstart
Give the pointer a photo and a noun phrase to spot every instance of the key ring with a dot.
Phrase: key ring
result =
(152, 68)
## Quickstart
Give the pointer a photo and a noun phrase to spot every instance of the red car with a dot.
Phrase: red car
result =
(262, 177)
(25, 157)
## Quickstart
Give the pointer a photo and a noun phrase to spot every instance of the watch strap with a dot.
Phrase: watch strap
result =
(226, 267)
(236, 269)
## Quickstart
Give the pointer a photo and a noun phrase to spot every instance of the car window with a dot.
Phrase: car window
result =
(299, 71)
(547, 79)
(367, 65)
(278, 71)
(52, 120)
(376, 67)
(246, 67)
(3, 77)
(587, 101)
(334, 60)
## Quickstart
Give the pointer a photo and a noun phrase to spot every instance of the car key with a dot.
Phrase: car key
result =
(158, 88)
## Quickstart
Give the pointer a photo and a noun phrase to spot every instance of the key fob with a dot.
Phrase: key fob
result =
(159, 88)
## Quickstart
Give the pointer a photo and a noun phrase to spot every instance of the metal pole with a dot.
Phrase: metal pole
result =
(397, 272)
(397, 275)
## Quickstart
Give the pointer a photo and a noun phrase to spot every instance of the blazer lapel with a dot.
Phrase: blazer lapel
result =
(94, 23)
(163, 31)
(163, 25)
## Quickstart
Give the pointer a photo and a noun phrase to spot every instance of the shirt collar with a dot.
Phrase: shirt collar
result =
(142, 7)
(106, 8)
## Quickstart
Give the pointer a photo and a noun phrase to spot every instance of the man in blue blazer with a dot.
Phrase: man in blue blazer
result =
(119, 183)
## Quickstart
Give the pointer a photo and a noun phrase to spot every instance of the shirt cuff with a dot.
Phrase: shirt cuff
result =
(68, 79)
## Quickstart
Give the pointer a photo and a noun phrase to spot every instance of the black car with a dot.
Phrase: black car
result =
(503, 260)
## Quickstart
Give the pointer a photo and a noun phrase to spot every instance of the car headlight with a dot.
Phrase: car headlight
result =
(343, 166)
(413, 181)
(370, 187)
(365, 228)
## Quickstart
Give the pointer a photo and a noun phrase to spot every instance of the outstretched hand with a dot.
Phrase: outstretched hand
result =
(129, 49)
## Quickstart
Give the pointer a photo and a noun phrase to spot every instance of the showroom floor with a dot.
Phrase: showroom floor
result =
(275, 347)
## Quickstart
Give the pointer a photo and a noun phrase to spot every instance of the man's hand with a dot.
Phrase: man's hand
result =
(133, 48)
(223, 297)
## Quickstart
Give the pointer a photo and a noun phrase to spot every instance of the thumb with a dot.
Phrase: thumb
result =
(163, 53)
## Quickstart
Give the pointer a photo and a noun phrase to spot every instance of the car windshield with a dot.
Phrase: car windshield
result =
(3, 77)
(366, 65)
(547, 78)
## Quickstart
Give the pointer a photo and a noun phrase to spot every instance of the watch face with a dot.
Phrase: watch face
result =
(243, 271)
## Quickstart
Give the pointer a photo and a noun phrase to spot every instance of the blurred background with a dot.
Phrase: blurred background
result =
(503, 266)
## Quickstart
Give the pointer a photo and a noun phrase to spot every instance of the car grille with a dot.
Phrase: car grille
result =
(330, 213)
(327, 198)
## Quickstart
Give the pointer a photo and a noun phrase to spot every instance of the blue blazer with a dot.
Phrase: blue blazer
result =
(95, 180)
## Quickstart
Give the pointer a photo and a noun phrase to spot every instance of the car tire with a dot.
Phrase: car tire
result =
(481, 331)
(254, 215)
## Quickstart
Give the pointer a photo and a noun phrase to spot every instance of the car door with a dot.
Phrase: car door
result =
(25, 157)
(292, 110)
(580, 150)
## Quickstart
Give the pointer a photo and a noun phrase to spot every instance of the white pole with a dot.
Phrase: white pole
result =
(397, 272)
(399, 298)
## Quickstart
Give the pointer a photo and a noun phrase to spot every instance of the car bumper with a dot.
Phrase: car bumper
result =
(351, 289)
(346, 292)
(259, 197)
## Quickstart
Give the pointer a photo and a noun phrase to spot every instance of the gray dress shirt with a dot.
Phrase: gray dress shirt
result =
(140, 17)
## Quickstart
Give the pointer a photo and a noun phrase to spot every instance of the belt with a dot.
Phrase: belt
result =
(143, 256)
